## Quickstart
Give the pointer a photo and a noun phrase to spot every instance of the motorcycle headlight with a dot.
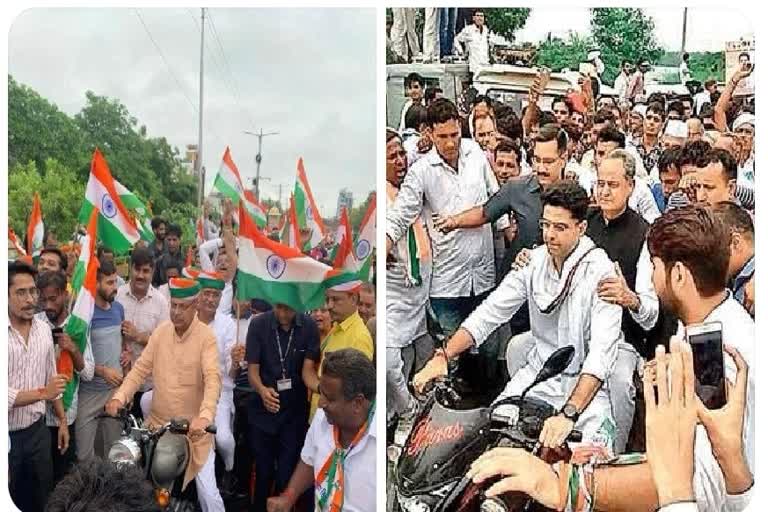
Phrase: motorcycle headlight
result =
(412, 504)
(125, 451)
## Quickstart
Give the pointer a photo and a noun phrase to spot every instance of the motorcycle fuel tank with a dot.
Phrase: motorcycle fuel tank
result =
(170, 459)
(442, 444)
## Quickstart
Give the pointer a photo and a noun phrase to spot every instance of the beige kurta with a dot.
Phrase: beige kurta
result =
(187, 381)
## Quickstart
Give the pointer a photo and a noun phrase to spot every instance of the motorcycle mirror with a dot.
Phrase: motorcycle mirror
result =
(555, 364)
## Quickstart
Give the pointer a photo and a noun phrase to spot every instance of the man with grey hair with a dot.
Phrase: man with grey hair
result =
(621, 233)
(641, 198)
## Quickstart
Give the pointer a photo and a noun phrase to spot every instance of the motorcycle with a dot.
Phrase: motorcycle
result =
(431, 461)
(163, 455)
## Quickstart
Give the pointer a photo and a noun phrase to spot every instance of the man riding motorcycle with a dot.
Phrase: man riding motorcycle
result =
(560, 285)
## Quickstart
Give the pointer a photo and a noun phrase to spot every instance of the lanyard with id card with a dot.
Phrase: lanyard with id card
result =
(283, 384)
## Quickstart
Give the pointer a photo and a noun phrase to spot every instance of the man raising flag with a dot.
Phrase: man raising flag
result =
(307, 214)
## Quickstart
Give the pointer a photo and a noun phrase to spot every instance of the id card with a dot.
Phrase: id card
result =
(283, 385)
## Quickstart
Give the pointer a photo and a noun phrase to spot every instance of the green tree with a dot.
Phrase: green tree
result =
(623, 33)
(558, 54)
(38, 130)
(61, 194)
(507, 21)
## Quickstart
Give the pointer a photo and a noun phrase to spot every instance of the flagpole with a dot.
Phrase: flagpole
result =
(199, 159)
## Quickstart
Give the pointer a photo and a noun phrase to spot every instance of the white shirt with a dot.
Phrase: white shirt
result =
(408, 103)
(685, 74)
(477, 46)
(208, 264)
(699, 99)
(411, 147)
(86, 374)
(462, 260)
(359, 465)
(620, 84)
(708, 482)
(225, 329)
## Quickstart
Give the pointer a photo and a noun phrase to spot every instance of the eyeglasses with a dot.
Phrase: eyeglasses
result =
(653, 118)
(612, 185)
(559, 227)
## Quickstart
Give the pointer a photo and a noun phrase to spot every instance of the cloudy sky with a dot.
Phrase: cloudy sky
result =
(708, 27)
(308, 74)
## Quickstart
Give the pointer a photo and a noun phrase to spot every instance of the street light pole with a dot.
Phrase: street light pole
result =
(260, 135)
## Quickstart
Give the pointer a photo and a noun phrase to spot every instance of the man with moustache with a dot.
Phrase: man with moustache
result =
(145, 308)
(32, 381)
(182, 358)
(106, 343)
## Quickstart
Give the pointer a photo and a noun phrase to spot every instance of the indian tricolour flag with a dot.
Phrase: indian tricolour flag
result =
(35, 229)
(79, 320)
(290, 235)
(228, 180)
(134, 204)
(345, 257)
(256, 210)
(274, 272)
(87, 249)
(17, 246)
(116, 228)
(307, 213)
(366, 236)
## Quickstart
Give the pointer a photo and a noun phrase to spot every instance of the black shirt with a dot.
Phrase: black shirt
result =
(261, 349)
(522, 199)
(622, 239)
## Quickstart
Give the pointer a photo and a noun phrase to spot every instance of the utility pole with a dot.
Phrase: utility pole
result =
(685, 24)
(260, 135)
(199, 159)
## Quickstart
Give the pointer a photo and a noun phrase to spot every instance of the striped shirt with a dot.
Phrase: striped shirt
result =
(31, 365)
(86, 374)
(145, 314)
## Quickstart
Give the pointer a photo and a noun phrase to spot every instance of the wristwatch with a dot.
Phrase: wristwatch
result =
(570, 412)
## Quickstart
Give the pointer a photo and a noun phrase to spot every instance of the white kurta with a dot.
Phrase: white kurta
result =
(591, 325)
(478, 46)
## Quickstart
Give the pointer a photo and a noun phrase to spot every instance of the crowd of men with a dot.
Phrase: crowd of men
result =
(602, 222)
(287, 390)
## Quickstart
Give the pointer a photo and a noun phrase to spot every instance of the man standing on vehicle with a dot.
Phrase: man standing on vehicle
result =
(622, 81)
(182, 358)
(560, 285)
(414, 87)
(476, 39)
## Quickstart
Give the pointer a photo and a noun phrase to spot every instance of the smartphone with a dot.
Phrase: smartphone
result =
(706, 342)
(55, 332)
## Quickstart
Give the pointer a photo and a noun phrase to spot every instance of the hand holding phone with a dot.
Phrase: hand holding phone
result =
(55, 332)
(706, 342)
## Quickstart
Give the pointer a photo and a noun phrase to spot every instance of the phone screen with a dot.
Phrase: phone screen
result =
(709, 367)
(54, 332)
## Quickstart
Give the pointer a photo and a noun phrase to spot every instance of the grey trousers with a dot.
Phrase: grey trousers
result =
(94, 435)
(401, 363)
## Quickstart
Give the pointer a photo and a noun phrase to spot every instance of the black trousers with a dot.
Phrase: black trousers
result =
(62, 463)
(30, 468)
(243, 457)
(276, 452)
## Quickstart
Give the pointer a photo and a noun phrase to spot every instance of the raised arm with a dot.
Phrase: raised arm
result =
(723, 104)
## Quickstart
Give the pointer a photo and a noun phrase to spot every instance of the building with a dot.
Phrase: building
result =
(345, 201)
(190, 156)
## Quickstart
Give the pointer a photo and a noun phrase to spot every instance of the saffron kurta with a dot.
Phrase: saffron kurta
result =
(187, 380)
